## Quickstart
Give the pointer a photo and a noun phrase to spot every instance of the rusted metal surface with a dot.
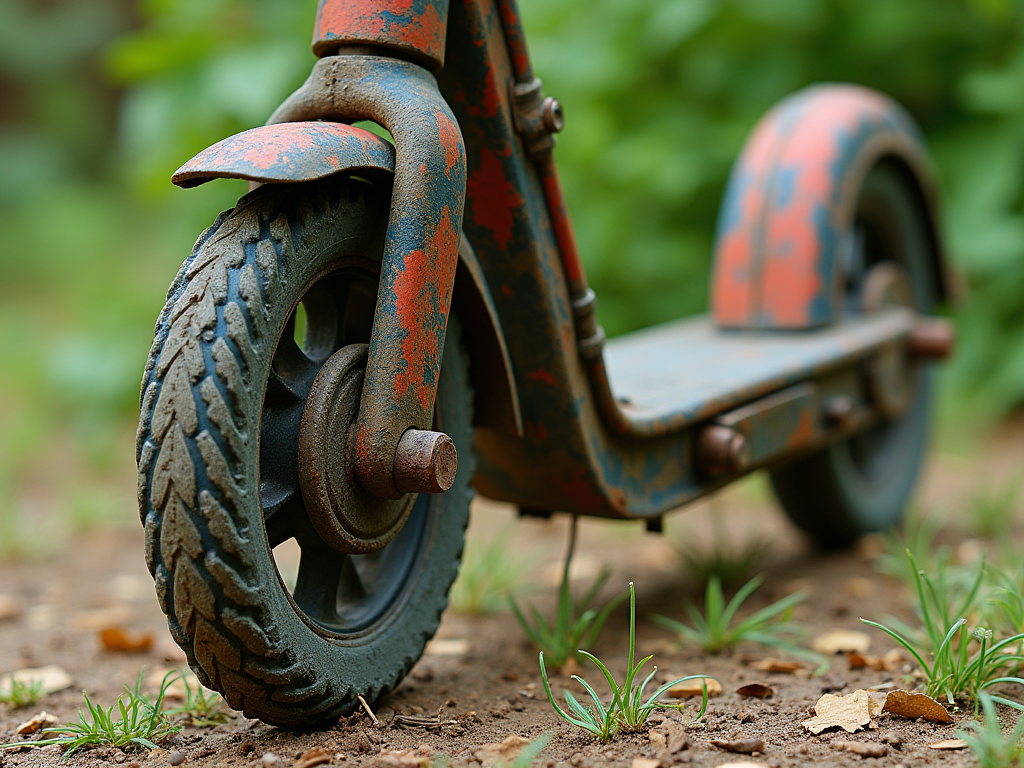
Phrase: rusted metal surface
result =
(577, 444)
(421, 250)
(301, 151)
(932, 338)
(345, 517)
(721, 451)
(791, 201)
(780, 424)
(426, 462)
(411, 28)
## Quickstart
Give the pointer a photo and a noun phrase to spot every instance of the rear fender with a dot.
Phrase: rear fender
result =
(791, 199)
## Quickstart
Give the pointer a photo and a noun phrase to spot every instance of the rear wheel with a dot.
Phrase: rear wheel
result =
(220, 486)
(863, 484)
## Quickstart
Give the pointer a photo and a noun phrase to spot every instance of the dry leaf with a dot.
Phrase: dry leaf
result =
(505, 751)
(777, 665)
(10, 607)
(949, 744)
(695, 687)
(862, 748)
(915, 705)
(52, 678)
(37, 723)
(644, 762)
(447, 647)
(887, 663)
(403, 758)
(313, 757)
(743, 746)
(842, 641)
(670, 737)
(851, 712)
(755, 690)
(117, 640)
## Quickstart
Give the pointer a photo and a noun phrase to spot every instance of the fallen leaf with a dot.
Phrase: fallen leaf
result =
(313, 757)
(403, 758)
(505, 751)
(644, 762)
(447, 647)
(117, 640)
(37, 723)
(755, 690)
(887, 663)
(915, 705)
(52, 678)
(743, 746)
(862, 748)
(670, 737)
(851, 712)
(695, 687)
(842, 641)
(949, 744)
(777, 665)
(10, 607)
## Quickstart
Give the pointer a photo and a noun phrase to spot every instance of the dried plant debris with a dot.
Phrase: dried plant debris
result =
(741, 746)
(786, 666)
(118, 640)
(10, 607)
(688, 689)
(862, 748)
(670, 738)
(313, 757)
(505, 751)
(422, 757)
(915, 705)
(755, 690)
(890, 662)
(841, 641)
(36, 724)
(851, 712)
(949, 744)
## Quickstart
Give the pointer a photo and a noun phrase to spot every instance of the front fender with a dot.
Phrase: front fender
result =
(289, 152)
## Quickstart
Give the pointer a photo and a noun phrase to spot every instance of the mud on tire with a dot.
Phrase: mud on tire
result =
(198, 456)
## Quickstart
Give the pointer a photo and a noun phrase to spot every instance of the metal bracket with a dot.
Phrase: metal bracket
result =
(536, 118)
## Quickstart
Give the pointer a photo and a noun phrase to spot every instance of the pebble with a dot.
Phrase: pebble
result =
(270, 760)
(177, 757)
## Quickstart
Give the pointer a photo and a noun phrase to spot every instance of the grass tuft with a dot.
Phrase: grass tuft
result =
(717, 629)
(20, 694)
(987, 742)
(627, 710)
(201, 708)
(576, 623)
(963, 663)
(142, 722)
(990, 510)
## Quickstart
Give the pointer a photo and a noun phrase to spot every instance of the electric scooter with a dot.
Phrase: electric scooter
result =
(396, 315)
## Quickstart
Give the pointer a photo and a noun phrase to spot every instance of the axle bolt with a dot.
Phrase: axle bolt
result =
(931, 338)
(722, 450)
(425, 462)
(554, 118)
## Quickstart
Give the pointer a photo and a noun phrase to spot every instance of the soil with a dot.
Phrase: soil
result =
(487, 687)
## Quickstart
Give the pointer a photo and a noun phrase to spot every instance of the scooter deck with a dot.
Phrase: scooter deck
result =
(690, 370)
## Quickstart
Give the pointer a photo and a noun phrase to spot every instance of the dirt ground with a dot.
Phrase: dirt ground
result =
(486, 684)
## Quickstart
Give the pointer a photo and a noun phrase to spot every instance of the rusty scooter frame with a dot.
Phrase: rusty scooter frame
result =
(810, 364)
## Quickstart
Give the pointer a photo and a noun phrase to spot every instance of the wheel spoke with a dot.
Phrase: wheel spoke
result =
(285, 520)
(316, 588)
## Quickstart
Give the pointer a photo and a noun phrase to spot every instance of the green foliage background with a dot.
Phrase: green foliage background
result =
(101, 99)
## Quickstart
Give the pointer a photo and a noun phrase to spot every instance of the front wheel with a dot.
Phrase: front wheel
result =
(220, 479)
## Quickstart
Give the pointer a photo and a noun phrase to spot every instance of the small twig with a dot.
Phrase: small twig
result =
(368, 710)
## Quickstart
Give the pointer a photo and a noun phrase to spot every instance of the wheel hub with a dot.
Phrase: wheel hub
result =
(893, 375)
(347, 518)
